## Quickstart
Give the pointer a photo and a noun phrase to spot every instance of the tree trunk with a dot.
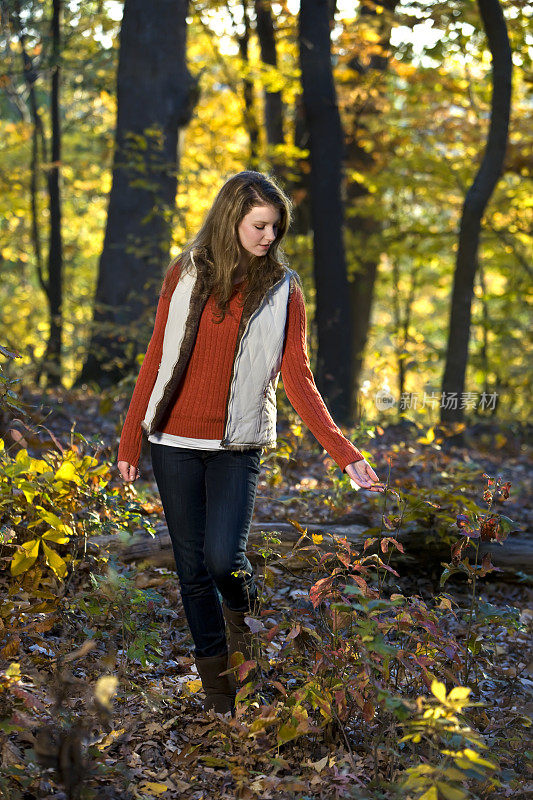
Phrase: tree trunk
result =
(401, 314)
(52, 359)
(363, 281)
(155, 97)
(52, 283)
(298, 177)
(298, 180)
(37, 136)
(476, 200)
(273, 100)
(250, 117)
(333, 315)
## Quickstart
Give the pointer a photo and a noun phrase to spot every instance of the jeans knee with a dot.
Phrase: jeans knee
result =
(221, 570)
(195, 584)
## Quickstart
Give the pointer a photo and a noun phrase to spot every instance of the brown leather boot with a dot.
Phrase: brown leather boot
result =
(219, 689)
(240, 637)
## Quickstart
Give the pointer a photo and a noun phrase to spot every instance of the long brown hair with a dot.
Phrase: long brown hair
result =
(215, 247)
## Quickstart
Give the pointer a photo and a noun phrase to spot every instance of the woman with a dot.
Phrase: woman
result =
(231, 316)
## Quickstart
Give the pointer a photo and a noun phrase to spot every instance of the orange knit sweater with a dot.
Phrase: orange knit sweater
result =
(198, 406)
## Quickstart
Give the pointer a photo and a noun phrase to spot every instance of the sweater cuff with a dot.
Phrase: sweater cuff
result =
(129, 448)
(352, 454)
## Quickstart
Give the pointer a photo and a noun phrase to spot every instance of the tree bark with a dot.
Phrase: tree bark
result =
(51, 366)
(272, 100)
(363, 281)
(476, 200)
(250, 117)
(298, 178)
(155, 98)
(333, 314)
(52, 283)
(38, 136)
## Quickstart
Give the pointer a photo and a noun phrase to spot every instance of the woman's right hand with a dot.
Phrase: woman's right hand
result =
(127, 471)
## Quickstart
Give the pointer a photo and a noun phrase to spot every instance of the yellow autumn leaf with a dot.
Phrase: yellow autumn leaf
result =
(156, 788)
(55, 536)
(286, 733)
(22, 457)
(54, 521)
(39, 465)
(317, 538)
(67, 472)
(102, 470)
(431, 794)
(369, 34)
(459, 693)
(194, 686)
(500, 440)
(428, 438)
(450, 792)
(105, 688)
(439, 690)
(54, 561)
(25, 557)
(404, 70)
(88, 461)
(29, 490)
(471, 755)
(13, 672)
(29, 464)
(110, 738)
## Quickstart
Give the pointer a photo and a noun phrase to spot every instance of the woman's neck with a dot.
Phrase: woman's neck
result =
(242, 268)
(241, 273)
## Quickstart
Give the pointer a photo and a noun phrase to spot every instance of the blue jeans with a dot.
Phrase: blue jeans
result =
(208, 498)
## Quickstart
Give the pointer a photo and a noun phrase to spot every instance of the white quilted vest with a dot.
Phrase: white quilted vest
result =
(251, 405)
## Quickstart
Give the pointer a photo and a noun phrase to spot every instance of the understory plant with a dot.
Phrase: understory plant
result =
(475, 529)
(382, 672)
(53, 509)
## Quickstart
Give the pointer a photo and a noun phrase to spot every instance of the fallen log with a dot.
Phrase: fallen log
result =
(157, 550)
(515, 555)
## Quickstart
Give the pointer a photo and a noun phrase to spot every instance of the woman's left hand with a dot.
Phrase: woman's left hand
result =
(364, 476)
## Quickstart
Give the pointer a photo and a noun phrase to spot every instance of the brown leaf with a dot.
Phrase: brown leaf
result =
(293, 633)
(297, 525)
(368, 711)
(81, 651)
(18, 437)
(11, 648)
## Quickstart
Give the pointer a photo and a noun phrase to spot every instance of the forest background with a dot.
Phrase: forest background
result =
(413, 87)
(397, 662)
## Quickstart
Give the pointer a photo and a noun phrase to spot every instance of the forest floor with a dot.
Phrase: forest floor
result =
(106, 702)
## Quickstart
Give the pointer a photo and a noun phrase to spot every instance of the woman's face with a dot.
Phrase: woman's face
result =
(258, 229)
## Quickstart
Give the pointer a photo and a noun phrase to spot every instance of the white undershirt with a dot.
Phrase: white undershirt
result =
(184, 441)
